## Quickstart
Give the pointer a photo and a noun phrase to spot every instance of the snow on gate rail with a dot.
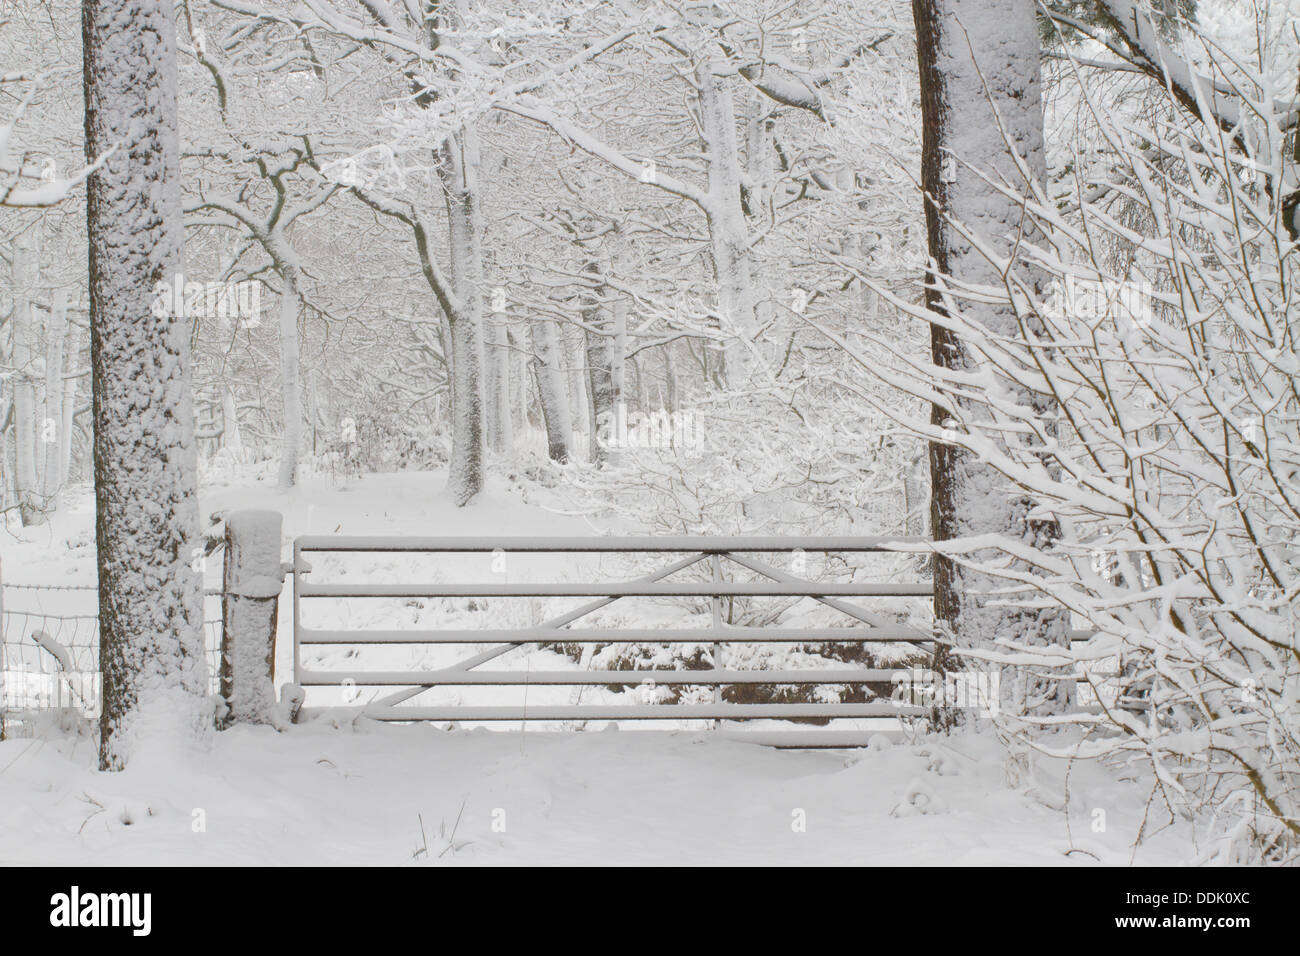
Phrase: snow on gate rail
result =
(711, 554)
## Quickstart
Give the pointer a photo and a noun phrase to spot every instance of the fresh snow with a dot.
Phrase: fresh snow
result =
(317, 795)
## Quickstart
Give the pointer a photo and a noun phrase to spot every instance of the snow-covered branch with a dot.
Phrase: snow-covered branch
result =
(18, 187)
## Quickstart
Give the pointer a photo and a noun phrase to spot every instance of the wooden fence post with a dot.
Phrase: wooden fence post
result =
(252, 579)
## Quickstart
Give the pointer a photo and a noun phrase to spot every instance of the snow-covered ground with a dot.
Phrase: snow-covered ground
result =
(367, 793)
(394, 795)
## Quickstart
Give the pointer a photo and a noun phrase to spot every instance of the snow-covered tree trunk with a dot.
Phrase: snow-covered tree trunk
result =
(521, 395)
(290, 385)
(52, 415)
(492, 410)
(505, 379)
(69, 407)
(669, 400)
(458, 161)
(445, 345)
(574, 342)
(914, 519)
(602, 426)
(728, 232)
(6, 411)
(760, 172)
(7, 494)
(500, 426)
(981, 98)
(618, 352)
(551, 392)
(150, 591)
(597, 360)
(231, 438)
(26, 426)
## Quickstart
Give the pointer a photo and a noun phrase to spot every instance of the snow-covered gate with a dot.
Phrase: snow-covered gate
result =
(720, 558)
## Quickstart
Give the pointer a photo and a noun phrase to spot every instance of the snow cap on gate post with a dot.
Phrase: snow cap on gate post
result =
(251, 584)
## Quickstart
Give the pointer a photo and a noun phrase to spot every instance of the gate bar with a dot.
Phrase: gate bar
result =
(637, 712)
(707, 544)
(738, 634)
(523, 678)
(622, 589)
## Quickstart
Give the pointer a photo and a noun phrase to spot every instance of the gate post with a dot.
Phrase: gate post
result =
(251, 583)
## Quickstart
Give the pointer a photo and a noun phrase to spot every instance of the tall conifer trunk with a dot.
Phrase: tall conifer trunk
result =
(146, 522)
(980, 99)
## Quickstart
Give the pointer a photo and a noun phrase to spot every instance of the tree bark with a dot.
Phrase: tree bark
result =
(551, 391)
(146, 521)
(500, 426)
(69, 407)
(597, 359)
(51, 424)
(728, 232)
(26, 426)
(458, 171)
(618, 352)
(290, 386)
(574, 342)
(231, 438)
(975, 57)
(521, 398)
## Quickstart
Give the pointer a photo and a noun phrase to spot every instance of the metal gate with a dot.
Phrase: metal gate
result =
(714, 563)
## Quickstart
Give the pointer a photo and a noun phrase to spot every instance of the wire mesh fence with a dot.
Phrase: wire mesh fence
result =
(49, 658)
